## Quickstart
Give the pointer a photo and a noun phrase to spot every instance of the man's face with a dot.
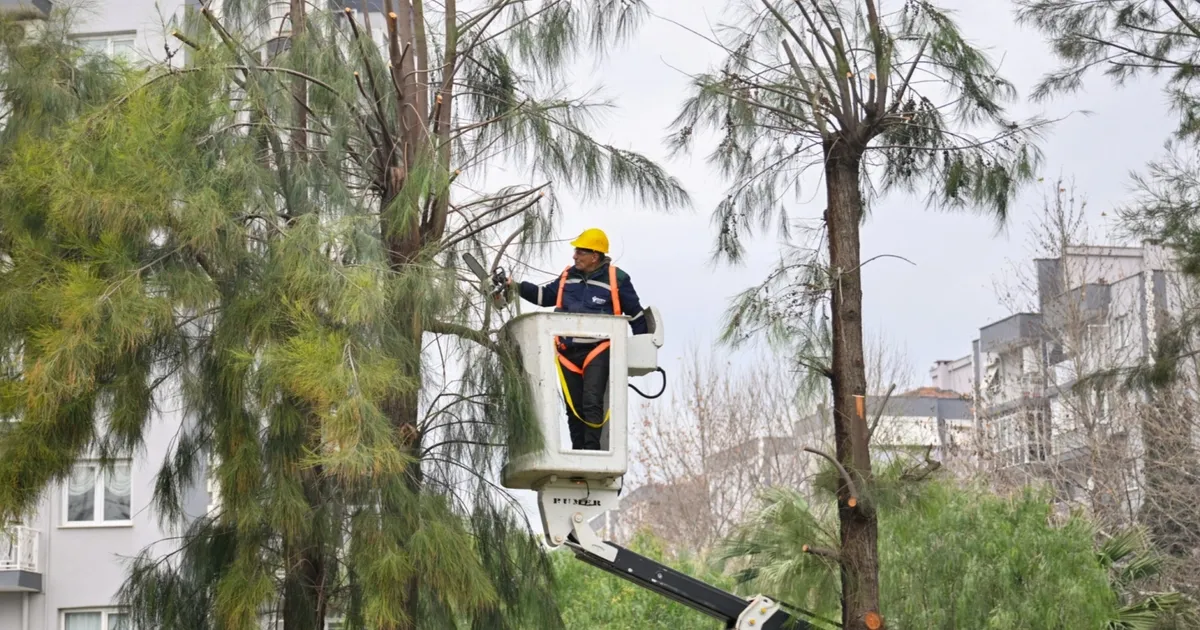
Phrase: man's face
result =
(586, 260)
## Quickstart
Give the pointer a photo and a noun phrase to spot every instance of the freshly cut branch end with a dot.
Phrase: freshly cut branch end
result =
(180, 37)
(819, 551)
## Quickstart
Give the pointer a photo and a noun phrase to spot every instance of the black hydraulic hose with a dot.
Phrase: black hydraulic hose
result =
(660, 391)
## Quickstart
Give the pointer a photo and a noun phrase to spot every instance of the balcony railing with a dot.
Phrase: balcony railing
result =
(19, 549)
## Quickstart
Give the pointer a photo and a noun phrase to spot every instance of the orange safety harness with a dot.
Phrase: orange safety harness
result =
(563, 361)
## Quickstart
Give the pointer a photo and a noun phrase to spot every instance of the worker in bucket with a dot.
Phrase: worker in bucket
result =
(591, 285)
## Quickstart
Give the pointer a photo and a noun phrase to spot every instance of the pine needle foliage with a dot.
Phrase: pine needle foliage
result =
(896, 82)
(266, 234)
(951, 556)
(1122, 40)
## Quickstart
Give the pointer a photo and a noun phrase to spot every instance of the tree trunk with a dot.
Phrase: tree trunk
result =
(404, 411)
(858, 523)
(413, 478)
(305, 583)
(306, 576)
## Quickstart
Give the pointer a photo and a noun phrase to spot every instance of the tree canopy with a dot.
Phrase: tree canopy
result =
(263, 235)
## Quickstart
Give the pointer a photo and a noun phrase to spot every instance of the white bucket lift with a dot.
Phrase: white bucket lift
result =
(575, 485)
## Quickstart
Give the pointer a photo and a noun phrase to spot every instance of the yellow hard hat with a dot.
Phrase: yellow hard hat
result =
(592, 238)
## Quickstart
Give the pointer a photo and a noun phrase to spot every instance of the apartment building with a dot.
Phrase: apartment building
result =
(957, 375)
(927, 420)
(1039, 414)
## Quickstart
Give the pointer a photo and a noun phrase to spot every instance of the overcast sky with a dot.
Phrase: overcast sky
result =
(935, 308)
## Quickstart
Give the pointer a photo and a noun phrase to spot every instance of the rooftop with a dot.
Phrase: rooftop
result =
(931, 392)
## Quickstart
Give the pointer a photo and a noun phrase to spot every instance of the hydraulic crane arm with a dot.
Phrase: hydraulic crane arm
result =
(566, 507)
(758, 613)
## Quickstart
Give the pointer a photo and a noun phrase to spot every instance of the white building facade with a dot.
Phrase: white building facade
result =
(1039, 413)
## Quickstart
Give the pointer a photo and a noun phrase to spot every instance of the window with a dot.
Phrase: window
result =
(95, 620)
(112, 45)
(1123, 329)
(95, 496)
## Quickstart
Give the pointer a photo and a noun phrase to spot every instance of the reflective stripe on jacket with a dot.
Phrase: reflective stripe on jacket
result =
(589, 293)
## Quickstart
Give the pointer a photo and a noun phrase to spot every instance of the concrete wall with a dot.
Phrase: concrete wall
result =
(10, 611)
(1100, 264)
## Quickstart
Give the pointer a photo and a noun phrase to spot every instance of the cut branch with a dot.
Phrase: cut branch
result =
(812, 59)
(877, 98)
(812, 95)
(853, 501)
(821, 551)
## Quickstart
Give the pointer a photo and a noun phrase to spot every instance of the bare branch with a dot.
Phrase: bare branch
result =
(853, 500)
(879, 412)
(470, 334)
(908, 76)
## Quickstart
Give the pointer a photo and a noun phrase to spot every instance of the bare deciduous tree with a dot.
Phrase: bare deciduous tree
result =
(726, 433)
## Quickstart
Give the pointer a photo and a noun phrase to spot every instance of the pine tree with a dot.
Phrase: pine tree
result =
(268, 235)
(869, 94)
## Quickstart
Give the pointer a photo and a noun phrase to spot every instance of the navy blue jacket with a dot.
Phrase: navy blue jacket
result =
(589, 294)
